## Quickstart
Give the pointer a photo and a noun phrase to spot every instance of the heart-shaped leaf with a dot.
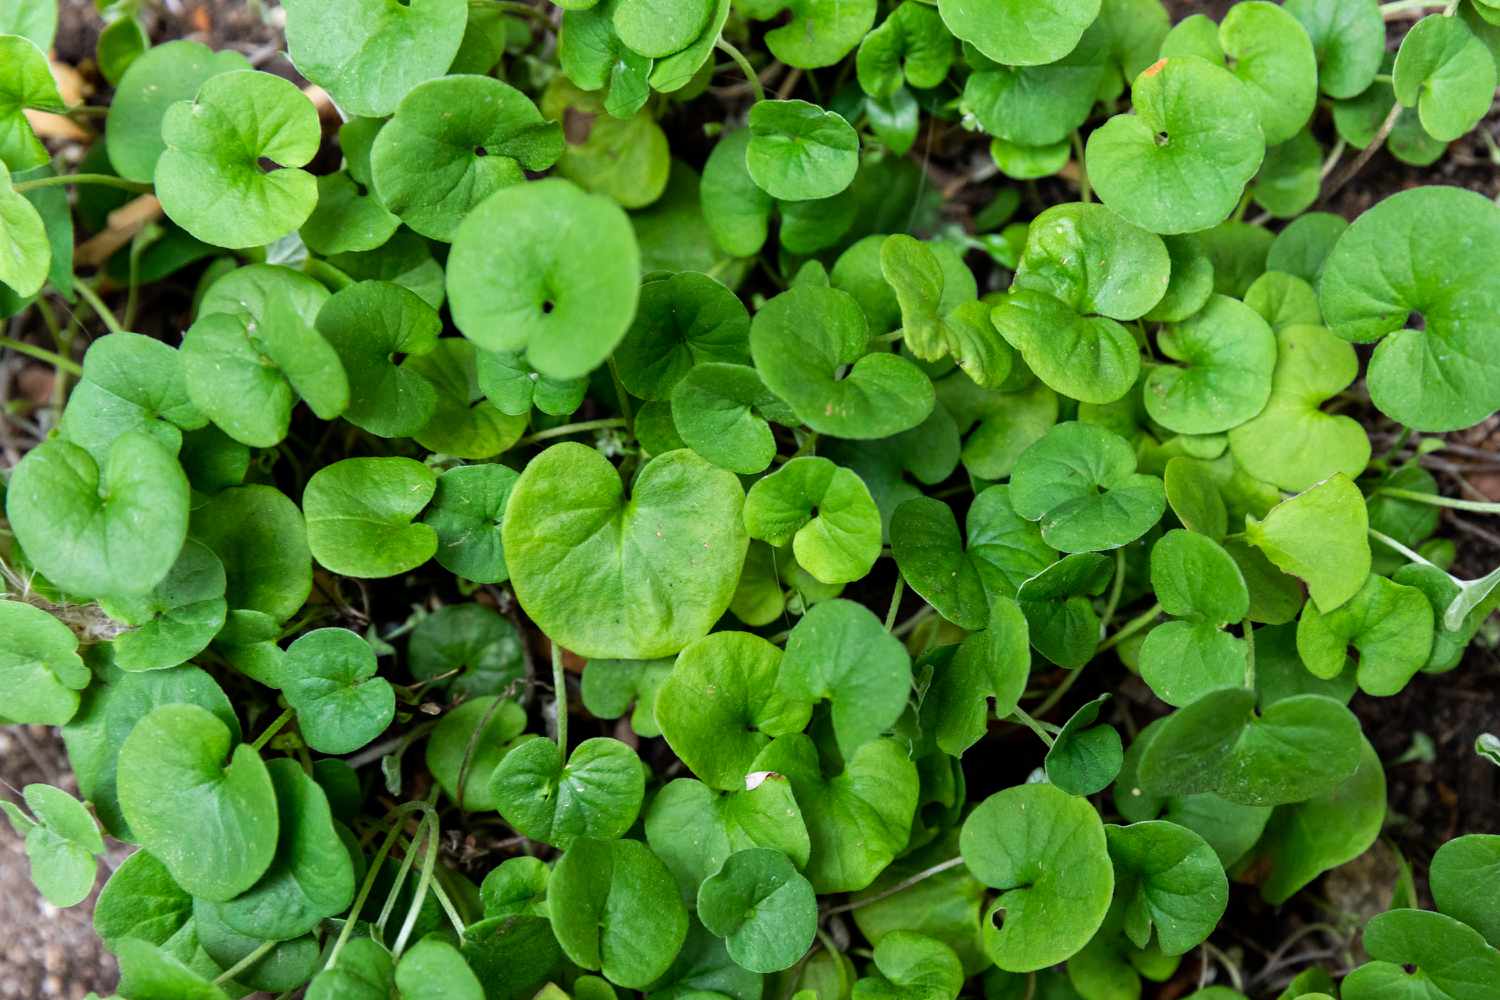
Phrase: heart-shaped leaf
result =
(178, 618)
(1090, 358)
(1457, 867)
(799, 152)
(367, 324)
(97, 530)
(912, 45)
(597, 793)
(993, 663)
(722, 410)
(1063, 246)
(1348, 39)
(735, 208)
(723, 703)
(1445, 71)
(209, 177)
(682, 320)
(914, 967)
(163, 75)
(1046, 851)
(130, 383)
(1297, 748)
(1080, 482)
(1041, 105)
(824, 510)
(1445, 956)
(174, 777)
(1171, 882)
(378, 52)
(765, 911)
(472, 639)
(563, 290)
(615, 908)
(259, 536)
(468, 513)
(28, 83)
(1435, 248)
(1181, 162)
(359, 516)
(61, 842)
(463, 424)
(1085, 758)
(39, 665)
(468, 745)
(1059, 612)
(1330, 519)
(1228, 353)
(1018, 33)
(330, 681)
(569, 531)
(818, 33)
(1389, 624)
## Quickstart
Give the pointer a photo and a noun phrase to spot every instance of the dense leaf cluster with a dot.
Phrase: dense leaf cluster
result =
(1100, 435)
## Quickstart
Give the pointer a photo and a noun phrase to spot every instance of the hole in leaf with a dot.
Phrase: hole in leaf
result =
(547, 306)
(481, 151)
(1416, 321)
(1162, 138)
(267, 165)
(361, 190)
(813, 513)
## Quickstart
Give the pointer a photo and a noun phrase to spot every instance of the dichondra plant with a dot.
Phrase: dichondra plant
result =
(660, 497)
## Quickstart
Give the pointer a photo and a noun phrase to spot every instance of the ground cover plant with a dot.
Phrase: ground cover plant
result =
(568, 503)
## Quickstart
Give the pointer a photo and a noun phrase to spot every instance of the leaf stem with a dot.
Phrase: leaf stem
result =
(1058, 693)
(42, 354)
(272, 729)
(1410, 554)
(106, 316)
(751, 76)
(908, 626)
(104, 180)
(1085, 191)
(1249, 631)
(424, 882)
(1433, 500)
(567, 429)
(1389, 11)
(1130, 628)
(1019, 715)
(255, 956)
(376, 864)
(899, 887)
(890, 616)
(560, 700)
(1366, 154)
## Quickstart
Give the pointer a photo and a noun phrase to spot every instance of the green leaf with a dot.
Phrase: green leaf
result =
(1032, 106)
(472, 639)
(1302, 248)
(1447, 74)
(1292, 443)
(1432, 244)
(594, 57)
(1026, 163)
(163, 75)
(310, 877)
(1170, 881)
(858, 820)
(678, 69)
(61, 842)
(1297, 748)
(597, 793)
(992, 663)
(611, 687)
(259, 536)
(723, 703)
(25, 254)
(468, 745)
(1191, 283)
(209, 177)
(683, 320)
(27, 84)
(1181, 162)
(433, 167)
(95, 530)
(941, 316)
(1089, 358)
(1291, 177)
(563, 288)
(359, 516)
(1046, 851)
(515, 387)
(468, 514)
(615, 909)
(1273, 54)
(151, 973)
(819, 32)
(173, 777)
(798, 151)
(1450, 959)
(39, 666)
(130, 383)
(1063, 245)
(611, 577)
(464, 424)
(363, 971)
(1459, 866)
(1056, 602)
(432, 969)
(1080, 482)
(1348, 39)
(36, 21)
(349, 218)
(911, 46)
(694, 829)
(1320, 537)
(1389, 624)
(656, 28)
(368, 56)
(762, 907)
(839, 651)
(721, 411)
(178, 618)
(735, 208)
(1018, 33)
(341, 705)
(141, 901)
(1304, 840)
(516, 886)
(1085, 758)
(1229, 355)
(367, 324)
(825, 511)
(913, 967)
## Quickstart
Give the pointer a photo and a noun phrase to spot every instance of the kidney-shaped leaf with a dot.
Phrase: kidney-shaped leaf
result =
(178, 618)
(1227, 354)
(825, 511)
(367, 324)
(1020, 32)
(597, 793)
(330, 680)
(762, 907)
(1320, 536)
(359, 516)
(1065, 248)
(1090, 358)
(1388, 623)
(799, 152)
(1080, 482)
(1446, 72)
(39, 666)
(1447, 958)
(1171, 881)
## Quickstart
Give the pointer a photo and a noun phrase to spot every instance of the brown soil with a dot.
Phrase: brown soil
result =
(51, 953)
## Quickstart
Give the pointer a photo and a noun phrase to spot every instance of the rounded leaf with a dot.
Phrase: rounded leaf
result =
(597, 793)
(799, 152)
(39, 666)
(1080, 482)
(1020, 32)
(825, 511)
(330, 681)
(160, 77)
(763, 908)
(359, 516)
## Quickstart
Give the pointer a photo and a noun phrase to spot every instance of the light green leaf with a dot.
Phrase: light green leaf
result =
(27, 84)
(367, 324)
(825, 511)
(470, 742)
(1447, 74)
(1388, 623)
(341, 705)
(178, 618)
(39, 666)
(1170, 881)
(1320, 537)
(682, 320)
(799, 152)
(1064, 246)
(1228, 353)
(596, 793)
(1089, 358)
(1018, 32)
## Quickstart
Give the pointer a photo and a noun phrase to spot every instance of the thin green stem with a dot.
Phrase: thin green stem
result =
(1117, 587)
(910, 625)
(424, 882)
(567, 429)
(1036, 727)
(809, 445)
(104, 180)
(106, 316)
(560, 699)
(1059, 692)
(1249, 656)
(901, 886)
(890, 616)
(326, 273)
(1410, 554)
(524, 10)
(751, 77)
(1433, 500)
(624, 397)
(259, 953)
(1085, 191)
(1130, 628)
(407, 862)
(42, 354)
(376, 866)
(1390, 10)
(272, 729)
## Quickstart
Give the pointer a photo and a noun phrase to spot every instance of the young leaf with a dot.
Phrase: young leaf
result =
(569, 531)
(1063, 242)
(1447, 73)
(27, 84)
(61, 842)
(463, 423)
(1080, 482)
(722, 410)
(1091, 358)
(25, 255)
(825, 511)
(1059, 613)
(992, 663)
(367, 324)
(39, 666)
(597, 793)
(472, 639)
(1229, 355)
(762, 907)
(1085, 758)
(912, 967)
(1171, 883)
(341, 705)
(359, 516)
(1388, 623)
(178, 618)
(1319, 536)
(468, 514)
(799, 152)
(682, 321)
(1018, 33)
